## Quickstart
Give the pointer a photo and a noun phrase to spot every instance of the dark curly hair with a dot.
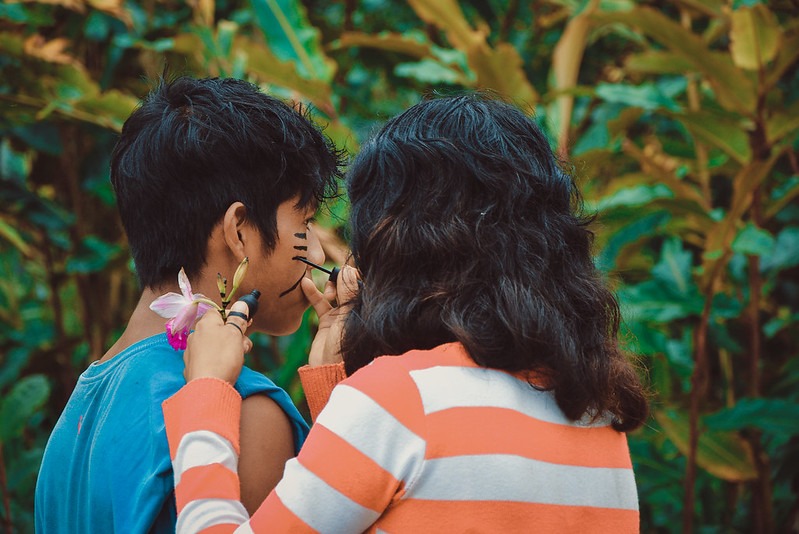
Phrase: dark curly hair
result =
(466, 228)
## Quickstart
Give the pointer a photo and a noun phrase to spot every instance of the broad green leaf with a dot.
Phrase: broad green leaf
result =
(24, 399)
(658, 62)
(499, 69)
(722, 454)
(409, 44)
(775, 416)
(753, 241)
(267, 68)
(674, 267)
(646, 96)
(785, 252)
(634, 196)
(628, 234)
(733, 90)
(754, 36)
(721, 132)
(782, 123)
(292, 38)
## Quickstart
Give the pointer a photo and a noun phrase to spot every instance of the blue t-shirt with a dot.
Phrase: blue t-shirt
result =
(106, 467)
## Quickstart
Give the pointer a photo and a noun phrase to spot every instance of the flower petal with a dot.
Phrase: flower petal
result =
(169, 305)
(184, 320)
(176, 338)
(185, 285)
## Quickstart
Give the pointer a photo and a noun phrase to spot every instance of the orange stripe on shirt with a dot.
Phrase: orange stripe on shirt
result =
(423, 516)
(273, 516)
(349, 469)
(213, 481)
(203, 404)
(476, 430)
(449, 355)
(372, 379)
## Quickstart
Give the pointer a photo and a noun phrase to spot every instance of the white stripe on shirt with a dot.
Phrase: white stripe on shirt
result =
(444, 387)
(503, 477)
(204, 513)
(318, 504)
(383, 439)
(203, 447)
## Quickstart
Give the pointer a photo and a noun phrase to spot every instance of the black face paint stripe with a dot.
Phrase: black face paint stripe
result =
(300, 248)
(292, 288)
(302, 235)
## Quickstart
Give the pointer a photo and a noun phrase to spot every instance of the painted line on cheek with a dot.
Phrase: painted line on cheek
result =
(292, 288)
(300, 248)
(302, 235)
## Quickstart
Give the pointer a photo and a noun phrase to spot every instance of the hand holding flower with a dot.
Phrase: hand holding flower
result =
(217, 347)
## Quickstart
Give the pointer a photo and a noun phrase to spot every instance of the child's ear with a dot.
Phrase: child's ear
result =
(237, 233)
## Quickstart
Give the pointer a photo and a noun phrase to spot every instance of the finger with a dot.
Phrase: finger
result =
(238, 321)
(330, 292)
(247, 344)
(317, 299)
(347, 287)
(211, 318)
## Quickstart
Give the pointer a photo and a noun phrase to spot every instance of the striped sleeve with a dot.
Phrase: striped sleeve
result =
(202, 427)
(345, 477)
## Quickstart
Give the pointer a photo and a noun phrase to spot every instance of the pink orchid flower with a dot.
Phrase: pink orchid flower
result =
(182, 311)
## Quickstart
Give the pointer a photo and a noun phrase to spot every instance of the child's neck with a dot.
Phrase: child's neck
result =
(142, 324)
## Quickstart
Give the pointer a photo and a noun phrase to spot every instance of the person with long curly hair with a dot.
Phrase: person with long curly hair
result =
(486, 389)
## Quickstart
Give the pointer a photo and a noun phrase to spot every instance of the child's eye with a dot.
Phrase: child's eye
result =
(309, 221)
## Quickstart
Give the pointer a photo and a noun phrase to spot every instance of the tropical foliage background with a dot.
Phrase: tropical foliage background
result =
(680, 118)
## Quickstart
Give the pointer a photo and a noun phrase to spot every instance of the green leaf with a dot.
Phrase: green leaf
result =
(429, 71)
(785, 252)
(722, 454)
(634, 196)
(9, 234)
(409, 44)
(24, 399)
(753, 241)
(734, 91)
(776, 416)
(93, 255)
(674, 268)
(728, 134)
(646, 96)
(658, 62)
(292, 38)
(754, 36)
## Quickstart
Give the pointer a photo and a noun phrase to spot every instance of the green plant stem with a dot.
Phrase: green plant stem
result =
(6, 498)
(698, 386)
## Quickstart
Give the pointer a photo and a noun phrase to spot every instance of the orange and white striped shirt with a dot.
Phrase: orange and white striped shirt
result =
(423, 442)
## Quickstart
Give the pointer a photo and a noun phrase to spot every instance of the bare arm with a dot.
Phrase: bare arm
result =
(267, 442)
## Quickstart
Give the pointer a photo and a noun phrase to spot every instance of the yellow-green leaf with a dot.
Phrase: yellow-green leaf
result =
(658, 62)
(10, 234)
(755, 36)
(722, 454)
(726, 134)
(391, 42)
(268, 68)
(499, 69)
(734, 91)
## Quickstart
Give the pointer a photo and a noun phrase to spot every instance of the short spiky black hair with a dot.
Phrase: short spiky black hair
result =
(193, 147)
